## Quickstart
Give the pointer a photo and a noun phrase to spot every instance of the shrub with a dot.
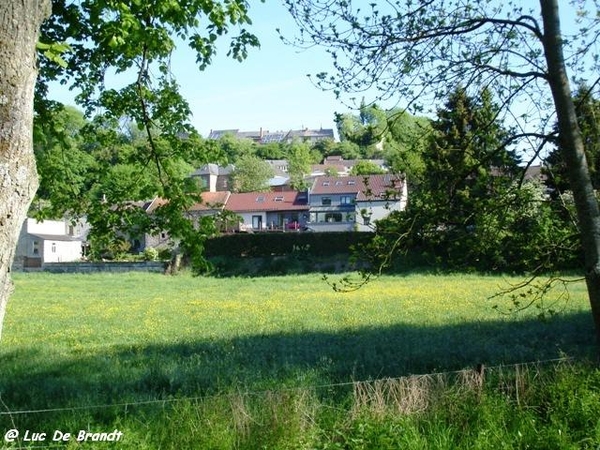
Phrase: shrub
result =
(279, 244)
(150, 254)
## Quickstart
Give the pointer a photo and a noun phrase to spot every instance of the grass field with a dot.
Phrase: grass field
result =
(219, 359)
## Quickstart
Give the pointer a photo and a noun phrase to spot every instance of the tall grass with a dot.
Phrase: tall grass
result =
(184, 362)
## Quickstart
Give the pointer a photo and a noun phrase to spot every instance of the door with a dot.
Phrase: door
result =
(257, 222)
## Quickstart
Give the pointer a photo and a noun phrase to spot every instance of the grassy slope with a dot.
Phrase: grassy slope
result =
(92, 339)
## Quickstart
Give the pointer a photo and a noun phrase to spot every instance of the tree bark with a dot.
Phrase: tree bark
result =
(20, 21)
(586, 204)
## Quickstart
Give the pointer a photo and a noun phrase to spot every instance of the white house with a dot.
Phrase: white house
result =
(48, 241)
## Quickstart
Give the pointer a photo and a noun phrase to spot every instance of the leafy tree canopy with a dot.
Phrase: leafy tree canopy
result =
(366, 168)
(469, 211)
(86, 42)
(300, 158)
(251, 174)
(587, 108)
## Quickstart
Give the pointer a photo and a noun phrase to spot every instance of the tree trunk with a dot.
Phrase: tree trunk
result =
(20, 21)
(586, 204)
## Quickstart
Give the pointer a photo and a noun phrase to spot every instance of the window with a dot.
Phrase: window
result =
(278, 199)
(36, 247)
(333, 217)
(54, 247)
(260, 198)
(326, 201)
(347, 200)
(325, 183)
(351, 182)
(329, 217)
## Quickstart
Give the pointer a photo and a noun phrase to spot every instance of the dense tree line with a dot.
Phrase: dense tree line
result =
(471, 208)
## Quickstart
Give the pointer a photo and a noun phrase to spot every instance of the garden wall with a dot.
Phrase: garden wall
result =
(89, 267)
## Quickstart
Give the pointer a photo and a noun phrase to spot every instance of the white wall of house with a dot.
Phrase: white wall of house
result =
(375, 211)
(61, 251)
(48, 241)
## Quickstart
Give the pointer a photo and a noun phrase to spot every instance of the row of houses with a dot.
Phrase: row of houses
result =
(264, 136)
(212, 177)
(330, 204)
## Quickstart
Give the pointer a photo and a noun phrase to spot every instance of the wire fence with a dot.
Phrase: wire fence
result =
(474, 378)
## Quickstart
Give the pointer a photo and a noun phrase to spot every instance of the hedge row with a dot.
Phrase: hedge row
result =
(269, 244)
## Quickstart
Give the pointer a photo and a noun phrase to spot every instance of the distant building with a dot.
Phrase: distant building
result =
(213, 178)
(49, 241)
(263, 136)
(337, 165)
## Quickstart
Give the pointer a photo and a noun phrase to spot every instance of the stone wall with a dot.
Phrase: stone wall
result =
(89, 267)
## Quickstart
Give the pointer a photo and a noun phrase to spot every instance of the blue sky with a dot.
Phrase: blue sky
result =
(270, 89)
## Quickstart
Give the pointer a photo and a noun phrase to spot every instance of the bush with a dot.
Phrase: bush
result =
(280, 244)
(150, 254)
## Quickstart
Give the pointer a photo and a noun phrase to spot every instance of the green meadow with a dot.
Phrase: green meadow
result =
(286, 362)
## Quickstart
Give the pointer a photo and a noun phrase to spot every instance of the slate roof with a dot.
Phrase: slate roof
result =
(267, 201)
(56, 237)
(217, 134)
(263, 136)
(213, 169)
(535, 173)
(322, 133)
(339, 160)
(322, 168)
(369, 187)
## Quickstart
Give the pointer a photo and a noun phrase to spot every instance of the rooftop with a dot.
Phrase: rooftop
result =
(365, 187)
(267, 201)
(264, 136)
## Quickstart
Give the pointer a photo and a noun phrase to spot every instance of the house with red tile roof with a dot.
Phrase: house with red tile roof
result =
(354, 202)
(275, 211)
(212, 204)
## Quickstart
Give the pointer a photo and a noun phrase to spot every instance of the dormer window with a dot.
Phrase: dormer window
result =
(325, 183)
(279, 199)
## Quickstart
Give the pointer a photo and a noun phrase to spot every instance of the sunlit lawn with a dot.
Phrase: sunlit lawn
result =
(84, 314)
(249, 331)
(110, 339)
